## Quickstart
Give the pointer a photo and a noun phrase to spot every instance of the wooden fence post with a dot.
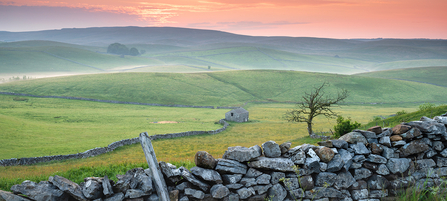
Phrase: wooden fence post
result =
(160, 184)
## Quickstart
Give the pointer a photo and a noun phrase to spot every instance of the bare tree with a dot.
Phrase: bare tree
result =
(315, 103)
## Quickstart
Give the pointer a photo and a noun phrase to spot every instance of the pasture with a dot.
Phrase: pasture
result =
(431, 75)
(39, 126)
(228, 88)
(266, 123)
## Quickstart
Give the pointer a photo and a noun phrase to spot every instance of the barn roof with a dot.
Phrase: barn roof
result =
(239, 111)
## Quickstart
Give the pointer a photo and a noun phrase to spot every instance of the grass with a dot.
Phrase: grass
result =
(229, 88)
(59, 59)
(432, 75)
(266, 124)
(409, 64)
(410, 116)
(247, 57)
(38, 126)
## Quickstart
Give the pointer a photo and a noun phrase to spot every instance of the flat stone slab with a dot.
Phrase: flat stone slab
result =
(231, 167)
(68, 186)
(276, 164)
(242, 154)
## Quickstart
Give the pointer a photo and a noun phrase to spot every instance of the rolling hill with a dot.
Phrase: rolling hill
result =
(227, 88)
(430, 75)
(171, 49)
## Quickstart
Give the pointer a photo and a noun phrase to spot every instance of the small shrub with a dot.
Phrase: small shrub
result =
(377, 118)
(401, 112)
(344, 126)
(426, 106)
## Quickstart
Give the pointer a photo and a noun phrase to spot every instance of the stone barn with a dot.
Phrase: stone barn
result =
(237, 115)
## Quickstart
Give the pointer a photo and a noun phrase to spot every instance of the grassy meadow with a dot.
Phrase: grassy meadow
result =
(266, 123)
(38, 126)
(431, 75)
(228, 88)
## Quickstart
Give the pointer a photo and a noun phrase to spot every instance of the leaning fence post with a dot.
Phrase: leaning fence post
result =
(160, 184)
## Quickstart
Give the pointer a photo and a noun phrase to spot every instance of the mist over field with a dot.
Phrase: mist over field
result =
(169, 49)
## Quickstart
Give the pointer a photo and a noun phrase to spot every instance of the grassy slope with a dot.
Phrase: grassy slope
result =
(55, 126)
(410, 116)
(249, 57)
(409, 64)
(433, 75)
(226, 88)
(47, 59)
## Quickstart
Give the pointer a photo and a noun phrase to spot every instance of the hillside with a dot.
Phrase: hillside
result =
(226, 88)
(429, 75)
(27, 57)
(377, 50)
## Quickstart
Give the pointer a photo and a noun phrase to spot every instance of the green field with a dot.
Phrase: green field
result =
(59, 126)
(38, 127)
(266, 123)
(229, 88)
(431, 75)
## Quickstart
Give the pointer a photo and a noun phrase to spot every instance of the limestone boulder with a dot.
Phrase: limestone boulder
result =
(413, 147)
(400, 129)
(242, 154)
(219, 191)
(194, 181)
(398, 165)
(231, 167)
(284, 147)
(207, 174)
(412, 133)
(429, 127)
(271, 149)
(354, 138)
(325, 178)
(327, 143)
(194, 193)
(7, 196)
(92, 188)
(205, 160)
(395, 138)
(326, 154)
(278, 192)
(307, 182)
(274, 164)
(68, 186)
(340, 144)
(376, 129)
(360, 148)
(336, 164)
(322, 192)
(41, 191)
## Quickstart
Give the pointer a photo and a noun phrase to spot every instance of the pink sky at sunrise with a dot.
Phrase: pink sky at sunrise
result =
(312, 18)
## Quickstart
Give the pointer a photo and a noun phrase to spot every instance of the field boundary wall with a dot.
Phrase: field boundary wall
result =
(102, 150)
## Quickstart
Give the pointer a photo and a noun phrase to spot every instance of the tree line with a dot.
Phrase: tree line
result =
(120, 49)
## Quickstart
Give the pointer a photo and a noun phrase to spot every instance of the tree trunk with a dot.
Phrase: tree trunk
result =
(309, 128)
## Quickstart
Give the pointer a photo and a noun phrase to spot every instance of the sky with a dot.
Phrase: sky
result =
(297, 18)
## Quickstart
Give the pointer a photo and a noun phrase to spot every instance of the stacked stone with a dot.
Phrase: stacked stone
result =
(136, 185)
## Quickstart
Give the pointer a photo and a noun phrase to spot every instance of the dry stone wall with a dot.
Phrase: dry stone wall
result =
(376, 164)
(102, 150)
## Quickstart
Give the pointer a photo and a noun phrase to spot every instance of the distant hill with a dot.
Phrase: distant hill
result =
(171, 49)
(229, 88)
(371, 50)
(429, 75)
